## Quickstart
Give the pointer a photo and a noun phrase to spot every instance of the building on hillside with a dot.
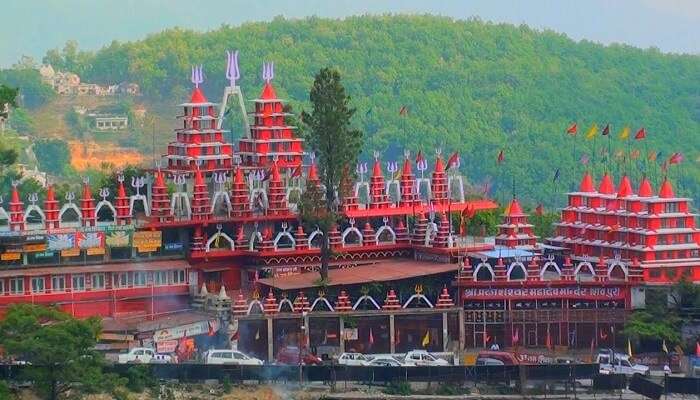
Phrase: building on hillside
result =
(109, 122)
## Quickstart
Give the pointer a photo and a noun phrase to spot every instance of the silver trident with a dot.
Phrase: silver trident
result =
(392, 167)
(362, 170)
(220, 179)
(33, 198)
(137, 183)
(104, 192)
(232, 72)
(422, 165)
(268, 71)
(179, 180)
(70, 196)
(120, 178)
(197, 75)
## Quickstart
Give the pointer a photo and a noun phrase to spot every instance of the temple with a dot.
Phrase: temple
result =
(211, 242)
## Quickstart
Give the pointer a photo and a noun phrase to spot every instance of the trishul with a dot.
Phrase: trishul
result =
(268, 71)
(361, 169)
(232, 71)
(104, 192)
(392, 167)
(179, 181)
(197, 75)
(137, 183)
(33, 198)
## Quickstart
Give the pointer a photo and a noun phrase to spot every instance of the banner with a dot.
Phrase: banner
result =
(61, 241)
(88, 240)
(166, 346)
(178, 332)
(118, 239)
(10, 256)
(597, 293)
(146, 241)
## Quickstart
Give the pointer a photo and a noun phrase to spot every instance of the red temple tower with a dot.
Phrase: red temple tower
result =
(515, 231)
(160, 201)
(87, 205)
(439, 182)
(51, 208)
(276, 192)
(269, 135)
(16, 210)
(200, 197)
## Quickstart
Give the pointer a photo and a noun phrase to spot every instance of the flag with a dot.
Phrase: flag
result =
(556, 175)
(606, 130)
(487, 338)
(676, 158)
(592, 132)
(371, 337)
(419, 157)
(426, 339)
(641, 134)
(652, 155)
(663, 347)
(403, 111)
(625, 134)
(585, 159)
(516, 336)
(634, 154)
(629, 348)
(603, 335)
(297, 171)
(592, 344)
(453, 161)
(539, 210)
(664, 166)
(572, 129)
(501, 157)
(697, 349)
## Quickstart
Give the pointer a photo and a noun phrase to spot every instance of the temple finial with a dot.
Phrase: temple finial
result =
(232, 71)
(197, 75)
(268, 71)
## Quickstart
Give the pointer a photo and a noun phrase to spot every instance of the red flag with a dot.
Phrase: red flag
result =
(297, 171)
(419, 157)
(697, 349)
(403, 111)
(572, 130)
(453, 160)
(516, 336)
(676, 158)
(606, 130)
(641, 134)
(603, 335)
(664, 166)
(539, 210)
(501, 157)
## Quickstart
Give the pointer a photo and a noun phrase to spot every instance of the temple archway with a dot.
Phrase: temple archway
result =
(351, 237)
(484, 272)
(220, 240)
(69, 216)
(393, 191)
(255, 241)
(584, 272)
(284, 241)
(617, 272)
(517, 271)
(34, 217)
(386, 235)
(105, 213)
(315, 239)
(550, 272)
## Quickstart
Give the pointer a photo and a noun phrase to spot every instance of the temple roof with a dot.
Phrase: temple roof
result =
(666, 190)
(268, 92)
(587, 185)
(198, 96)
(514, 209)
(645, 189)
(625, 187)
(606, 185)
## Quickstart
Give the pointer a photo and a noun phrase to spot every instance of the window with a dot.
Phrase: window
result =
(160, 278)
(671, 207)
(58, 283)
(38, 285)
(2, 287)
(121, 280)
(139, 278)
(78, 284)
(98, 281)
(179, 276)
(17, 286)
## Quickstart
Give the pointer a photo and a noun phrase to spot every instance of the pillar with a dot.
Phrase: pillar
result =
(445, 336)
(307, 336)
(462, 331)
(392, 335)
(341, 333)
(270, 340)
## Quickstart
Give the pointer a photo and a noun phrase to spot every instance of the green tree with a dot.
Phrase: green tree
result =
(21, 121)
(337, 145)
(58, 347)
(8, 95)
(53, 155)
(33, 93)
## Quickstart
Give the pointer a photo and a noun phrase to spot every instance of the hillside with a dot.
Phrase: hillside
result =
(469, 85)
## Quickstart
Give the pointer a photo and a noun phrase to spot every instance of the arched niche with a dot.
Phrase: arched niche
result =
(584, 272)
(255, 241)
(284, 241)
(69, 216)
(516, 271)
(386, 235)
(315, 239)
(220, 240)
(105, 213)
(351, 237)
(484, 272)
(34, 217)
(550, 271)
(618, 271)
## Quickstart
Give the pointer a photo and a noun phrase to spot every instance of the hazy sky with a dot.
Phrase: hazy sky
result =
(32, 26)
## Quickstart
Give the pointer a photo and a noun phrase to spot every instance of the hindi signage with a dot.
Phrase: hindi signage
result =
(178, 332)
(582, 292)
(146, 241)
(10, 256)
(61, 241)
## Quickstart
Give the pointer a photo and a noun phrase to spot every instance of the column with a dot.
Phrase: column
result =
(270, 340)
(445, 336)
(462, 331)
(392, 335)
(341, 333)
(307, 336)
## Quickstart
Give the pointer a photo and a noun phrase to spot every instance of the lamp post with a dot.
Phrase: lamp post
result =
(302, 340)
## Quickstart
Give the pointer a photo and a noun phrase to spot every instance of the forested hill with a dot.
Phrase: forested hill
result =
(470, 86)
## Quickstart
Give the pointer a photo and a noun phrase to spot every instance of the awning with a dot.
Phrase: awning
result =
(111, 267)
(381, 271)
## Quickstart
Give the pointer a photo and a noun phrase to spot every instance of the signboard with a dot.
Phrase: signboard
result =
(350, 333)
(61, 241)
(118, 239)
(597, 293)
(166, 346)
(88, 240)
(10, 256)
(146, 241)
(181, 331)
(70, 253)
(96, 251)
(173, 246)
(34, 248)
(45, 254)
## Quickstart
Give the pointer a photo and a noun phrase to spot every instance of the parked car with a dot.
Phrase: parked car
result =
(137, 355)
(384, 361)
(496, 358)
(618, 363)
(353, 359)
(229, 357)
(423, 358)
(289, 355)
(160, 358)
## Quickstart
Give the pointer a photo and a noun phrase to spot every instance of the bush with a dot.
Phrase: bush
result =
(4, 391)
(399, 389)
(451, 390)
(226, 384)
(139, 378)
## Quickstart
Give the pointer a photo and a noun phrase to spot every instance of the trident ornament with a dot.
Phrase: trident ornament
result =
(120, 178)
(137, 183)
(385, 220)
(268, 71)
(392, 167)
(361, 170)
(197, 75)
(104, 192)
(237, 159)
(232, 72)
(422, 165)
(33, 198)
(179, 181)
(352, 222)
(15, 183)
(220, 179)
(70, 196)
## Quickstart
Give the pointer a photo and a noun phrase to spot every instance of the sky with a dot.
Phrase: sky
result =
(31, 27)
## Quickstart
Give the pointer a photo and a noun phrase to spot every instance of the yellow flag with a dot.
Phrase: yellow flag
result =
(592, 132)
(426, 339)
(625, 133)
(629, 348)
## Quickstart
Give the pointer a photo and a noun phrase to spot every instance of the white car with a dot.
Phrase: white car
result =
(620, 364)
(384, 361)
(421, 358)
(159, 358)
(229, 357)
(138, 355)
(353, 359)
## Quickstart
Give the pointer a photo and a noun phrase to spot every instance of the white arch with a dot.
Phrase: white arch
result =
(588, 266)
(363, 298)
(62, 211)
(221, 196)
(393, 183)
(222, 235)
(487, 266)
(4, 216)
(618, 264)
(546, 266)
(251, 243)
(460, 187)
(417, 296)
(429, 191)
(34, 207)
(255, 303)
(281, 235)
(512, 266)
(105, 203)
(254, 193)
(359, 186)
(430, 232)
(144, 201)
(321, 300)
(313, 235)
(390, 230)
(347, 231)
(285, 301)
(180, 205)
